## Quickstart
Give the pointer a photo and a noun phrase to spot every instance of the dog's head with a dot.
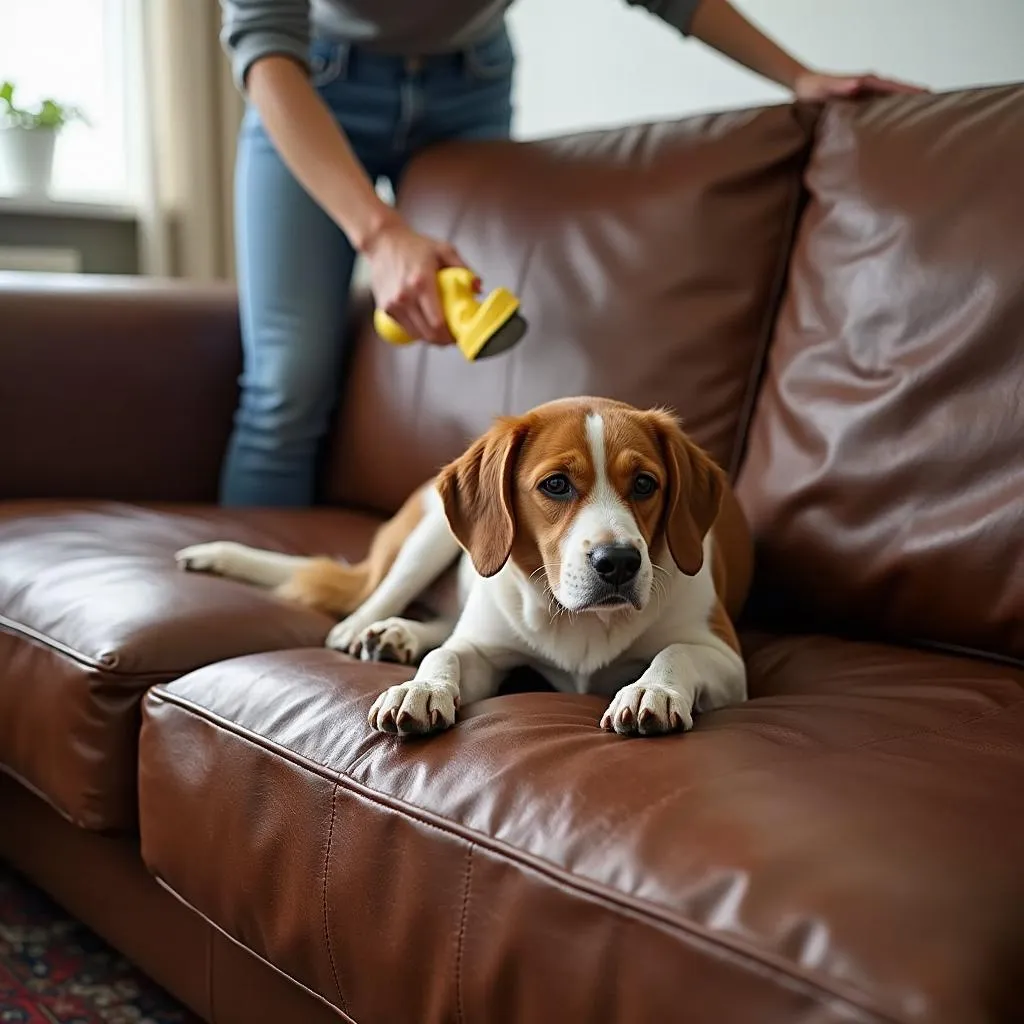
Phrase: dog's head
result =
(587, 497)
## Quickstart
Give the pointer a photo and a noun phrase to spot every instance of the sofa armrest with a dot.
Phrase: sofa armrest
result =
(117, 388)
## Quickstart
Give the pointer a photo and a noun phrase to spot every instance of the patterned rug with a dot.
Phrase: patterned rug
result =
(53, 970)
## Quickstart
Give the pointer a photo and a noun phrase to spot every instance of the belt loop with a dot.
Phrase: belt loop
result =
(344, 58)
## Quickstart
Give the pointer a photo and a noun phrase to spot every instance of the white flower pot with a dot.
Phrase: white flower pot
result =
(26, 160)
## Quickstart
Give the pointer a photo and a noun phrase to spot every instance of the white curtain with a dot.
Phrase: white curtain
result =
(187, 110)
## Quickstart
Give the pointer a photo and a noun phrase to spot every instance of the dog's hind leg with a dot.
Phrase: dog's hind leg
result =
(241, 562)
(427, 551)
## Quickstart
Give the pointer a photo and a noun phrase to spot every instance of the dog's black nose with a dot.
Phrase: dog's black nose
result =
(616, 563)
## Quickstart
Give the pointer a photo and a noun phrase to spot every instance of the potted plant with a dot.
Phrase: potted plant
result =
(27, 140)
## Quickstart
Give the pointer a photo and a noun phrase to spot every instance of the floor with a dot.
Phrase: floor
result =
(53, 970)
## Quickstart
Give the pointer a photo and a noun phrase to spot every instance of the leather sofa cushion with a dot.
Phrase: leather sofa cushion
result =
(649, 262)
(885, 471)
(93, 611)
(846, 846)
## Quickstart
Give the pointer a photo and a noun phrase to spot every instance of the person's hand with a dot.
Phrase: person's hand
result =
(816, 87)
(403, 267)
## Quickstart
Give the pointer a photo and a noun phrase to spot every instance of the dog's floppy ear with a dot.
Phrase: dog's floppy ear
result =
(477, 491)
(695, 487)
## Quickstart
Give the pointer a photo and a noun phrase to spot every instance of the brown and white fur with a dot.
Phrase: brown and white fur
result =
(604, 588)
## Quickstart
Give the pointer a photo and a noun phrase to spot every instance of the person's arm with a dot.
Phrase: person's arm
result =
(267, 41)
(718, 24)
(316, 151)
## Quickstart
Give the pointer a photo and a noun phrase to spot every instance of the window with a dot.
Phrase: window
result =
(77, 52)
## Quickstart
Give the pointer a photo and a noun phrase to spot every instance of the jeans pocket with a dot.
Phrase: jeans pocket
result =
(327, 62)
(491, 58)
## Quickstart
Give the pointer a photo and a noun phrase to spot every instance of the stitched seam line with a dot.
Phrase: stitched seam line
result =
(27, 632)
(760, 962)
(72, 819)
(327, 929)
(272, 967)
(87, 823)
(460, 1013)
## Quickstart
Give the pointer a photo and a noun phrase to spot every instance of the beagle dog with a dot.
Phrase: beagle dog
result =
(587, 539)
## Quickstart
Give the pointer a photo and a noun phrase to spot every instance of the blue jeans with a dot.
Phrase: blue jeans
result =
(295, 265)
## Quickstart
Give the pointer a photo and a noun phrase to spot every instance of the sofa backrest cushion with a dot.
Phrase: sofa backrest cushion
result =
(885, 469)
(649, 263)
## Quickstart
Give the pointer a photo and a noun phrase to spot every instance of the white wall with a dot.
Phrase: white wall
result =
(590, 63)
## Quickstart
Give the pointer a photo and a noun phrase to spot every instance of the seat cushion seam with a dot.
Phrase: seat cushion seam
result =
(460, 941)
(63, 812)
(323, 1000)
(39, 794)
(15, 628)
(761, 962)
(327, 927)
(108, 670)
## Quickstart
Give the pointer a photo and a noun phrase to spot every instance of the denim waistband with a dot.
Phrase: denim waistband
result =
(332, 58)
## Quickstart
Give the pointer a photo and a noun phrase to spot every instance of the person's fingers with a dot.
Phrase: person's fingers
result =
(451, 257)
(418, 327)
(432, 311)
(848, 86)
(824, 87)
(405, 310)
(818, 88)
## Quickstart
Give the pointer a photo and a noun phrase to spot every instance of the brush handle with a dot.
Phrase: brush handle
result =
(457, 300)
(390, 329)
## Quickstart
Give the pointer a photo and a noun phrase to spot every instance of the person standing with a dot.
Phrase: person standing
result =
(339, 94)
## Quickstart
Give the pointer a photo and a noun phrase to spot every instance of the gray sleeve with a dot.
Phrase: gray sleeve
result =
(677, 13)
(251, 29)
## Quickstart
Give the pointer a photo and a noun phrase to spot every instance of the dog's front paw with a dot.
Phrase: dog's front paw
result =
(212, 557)
(388, 640)
(342, 637)
(415, 708)
(648, 709)
(385, 640)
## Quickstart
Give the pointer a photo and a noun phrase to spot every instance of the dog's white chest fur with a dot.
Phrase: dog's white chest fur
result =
(585, 652)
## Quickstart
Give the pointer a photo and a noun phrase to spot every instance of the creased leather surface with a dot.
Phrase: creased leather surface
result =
(102, 881)
(844, 847)
(93, 611)
(885, 473)
(648, 262)
(838, 848)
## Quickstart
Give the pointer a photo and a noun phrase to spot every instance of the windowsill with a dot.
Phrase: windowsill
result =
(59, 206)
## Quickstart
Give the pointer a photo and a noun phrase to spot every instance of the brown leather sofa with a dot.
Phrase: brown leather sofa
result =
(834, 301)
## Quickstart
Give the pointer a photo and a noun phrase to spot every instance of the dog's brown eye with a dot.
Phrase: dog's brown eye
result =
(557, 486)
(644, 485)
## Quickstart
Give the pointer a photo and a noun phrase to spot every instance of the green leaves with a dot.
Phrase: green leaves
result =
(50, 114)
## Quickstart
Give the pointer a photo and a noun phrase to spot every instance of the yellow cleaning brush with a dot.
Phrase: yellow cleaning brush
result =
(480, 329)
